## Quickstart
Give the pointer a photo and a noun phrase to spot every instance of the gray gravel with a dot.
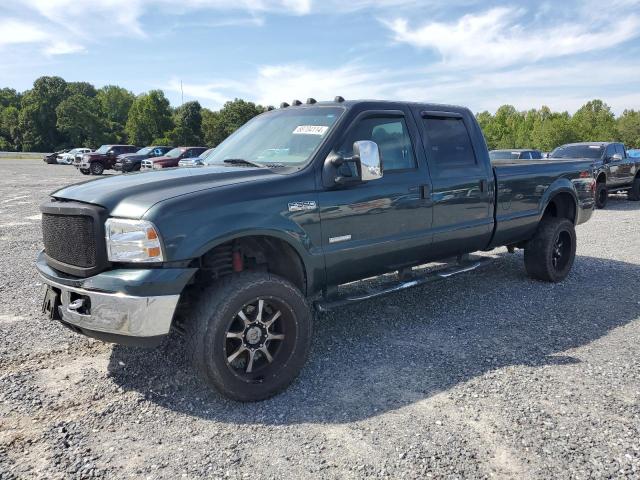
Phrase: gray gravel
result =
(487, 375)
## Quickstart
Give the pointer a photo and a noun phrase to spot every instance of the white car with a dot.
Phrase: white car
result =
(67, 158)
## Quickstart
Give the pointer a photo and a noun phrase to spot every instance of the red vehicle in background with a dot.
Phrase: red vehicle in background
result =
(172, 158)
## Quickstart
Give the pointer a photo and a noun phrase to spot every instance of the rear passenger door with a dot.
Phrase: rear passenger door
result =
(463, 183)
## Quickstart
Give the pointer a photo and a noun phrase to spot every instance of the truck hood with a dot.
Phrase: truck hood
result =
(130, 196)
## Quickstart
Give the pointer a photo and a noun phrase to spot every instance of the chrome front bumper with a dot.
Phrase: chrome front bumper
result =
(115, 313)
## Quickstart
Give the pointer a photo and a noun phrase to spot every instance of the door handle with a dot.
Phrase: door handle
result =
(423, 190)
(483, 186)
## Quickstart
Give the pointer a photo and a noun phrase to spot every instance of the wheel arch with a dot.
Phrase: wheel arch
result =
(561, 201)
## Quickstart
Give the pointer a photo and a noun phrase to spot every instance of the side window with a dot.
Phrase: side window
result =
(391, 135)
(525, 155)
(620, 149)
(448, 143)
(611, 149)
(536, 155)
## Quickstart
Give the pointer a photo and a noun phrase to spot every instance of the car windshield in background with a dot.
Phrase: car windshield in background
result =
(286, 137)
(144, 151)
(503, 155)
(578, 151)
(103, 149)
(176, 152)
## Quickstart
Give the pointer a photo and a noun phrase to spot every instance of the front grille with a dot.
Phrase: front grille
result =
(70, 239)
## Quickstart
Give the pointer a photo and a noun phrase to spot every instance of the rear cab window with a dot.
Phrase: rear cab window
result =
(448, 145)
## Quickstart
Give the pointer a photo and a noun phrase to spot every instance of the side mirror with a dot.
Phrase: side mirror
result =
(110, 153)
(616, 157)
(370, 163)
(367, 162)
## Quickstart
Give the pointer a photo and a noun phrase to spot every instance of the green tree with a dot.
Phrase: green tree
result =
(80, 119)
(188, 121)
(9, 98)
(9, 133)
(37, 121)
(115, 103)
(149, 118)
(81, 88)
(594, 121)
(552, 129)
(219, 125)
(628, 126)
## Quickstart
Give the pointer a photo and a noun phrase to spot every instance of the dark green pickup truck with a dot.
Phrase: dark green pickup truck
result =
(297, 202)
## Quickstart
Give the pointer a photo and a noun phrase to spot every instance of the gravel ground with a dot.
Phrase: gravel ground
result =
(489, 374)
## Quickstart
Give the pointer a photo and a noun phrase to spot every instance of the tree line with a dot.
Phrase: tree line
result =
(56, 114)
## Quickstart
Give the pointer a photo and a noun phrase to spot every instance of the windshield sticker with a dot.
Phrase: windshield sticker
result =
(310, 130)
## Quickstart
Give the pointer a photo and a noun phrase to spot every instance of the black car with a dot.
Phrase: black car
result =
(52, 158)
(131, 162)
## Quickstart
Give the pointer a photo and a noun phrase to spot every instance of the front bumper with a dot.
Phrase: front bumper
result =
(133, 307)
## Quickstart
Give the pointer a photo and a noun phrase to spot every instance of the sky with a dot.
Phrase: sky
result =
(476, 53)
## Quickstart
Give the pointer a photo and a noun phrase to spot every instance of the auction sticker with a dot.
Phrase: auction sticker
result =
(310, 130)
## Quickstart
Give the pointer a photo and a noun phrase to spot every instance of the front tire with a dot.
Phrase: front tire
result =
(96, 168)
(602, 195)
(249, 335)
(550, 254)
(634, 191)
(84, 171)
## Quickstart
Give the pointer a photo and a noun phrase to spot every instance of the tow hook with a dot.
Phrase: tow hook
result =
(76, 304)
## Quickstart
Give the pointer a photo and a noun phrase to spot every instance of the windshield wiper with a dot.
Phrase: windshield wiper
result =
(242, 161)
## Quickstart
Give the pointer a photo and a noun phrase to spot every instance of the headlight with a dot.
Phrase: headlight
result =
(132, 241)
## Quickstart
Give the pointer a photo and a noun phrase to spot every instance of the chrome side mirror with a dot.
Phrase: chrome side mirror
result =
(369, 155)
(616, 157)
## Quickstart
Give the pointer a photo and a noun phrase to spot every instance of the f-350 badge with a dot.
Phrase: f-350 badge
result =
(302, 206)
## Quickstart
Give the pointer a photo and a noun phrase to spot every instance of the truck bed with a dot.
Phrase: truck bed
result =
(521, 186)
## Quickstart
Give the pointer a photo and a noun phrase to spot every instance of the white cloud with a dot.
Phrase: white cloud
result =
(16, 32)
(565, 87)
(499, 37)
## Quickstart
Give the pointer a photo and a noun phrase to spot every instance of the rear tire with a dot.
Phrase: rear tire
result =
(550, 254)
(602, 195)
(634, 191)
(96, 168)
(236, 345)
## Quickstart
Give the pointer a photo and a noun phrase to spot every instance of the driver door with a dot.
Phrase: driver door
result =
(380, 225)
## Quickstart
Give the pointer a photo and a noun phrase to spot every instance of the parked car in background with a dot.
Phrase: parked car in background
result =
(172, 158)
(130, 162)
(68, 158)
(199, 161)
(234, 257)
(52, 158)
(102, 159)
(634, 153)
(515, 154)
(614, 170)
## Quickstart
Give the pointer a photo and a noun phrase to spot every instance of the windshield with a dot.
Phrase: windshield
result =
(144, 151)
(503, 155)
(174, 153)
(286, 137)
(578, 151)
(103, 149)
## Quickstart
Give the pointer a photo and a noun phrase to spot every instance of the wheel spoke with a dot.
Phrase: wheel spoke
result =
(260, 307)
(275, 336)
(252, 355)
(235, 354)
(244, 318)
(237, 335)
(273, 319)
(266, 354)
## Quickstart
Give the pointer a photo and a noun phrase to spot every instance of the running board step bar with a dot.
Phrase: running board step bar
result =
(467, 265)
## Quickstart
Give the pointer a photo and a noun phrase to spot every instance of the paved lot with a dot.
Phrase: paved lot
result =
(487, 375)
